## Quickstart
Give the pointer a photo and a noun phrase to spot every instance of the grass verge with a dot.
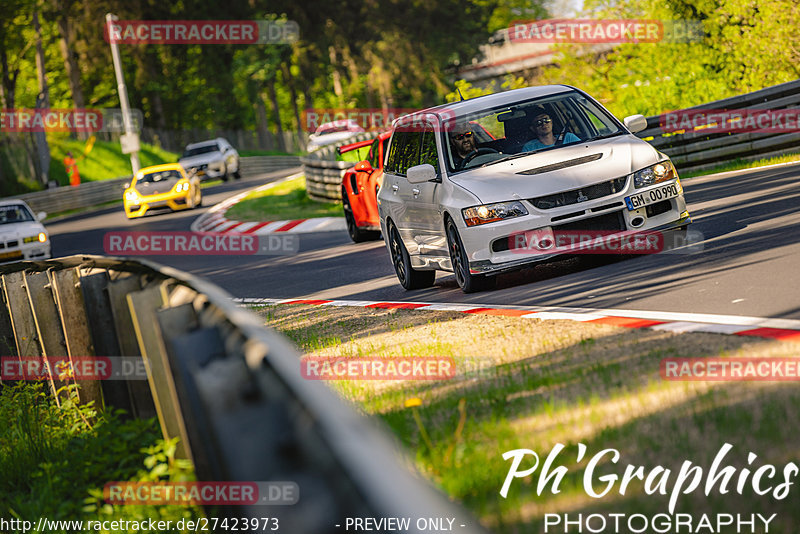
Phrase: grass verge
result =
(104, 162)
(55, 460)
(526, 383)
(287, 200)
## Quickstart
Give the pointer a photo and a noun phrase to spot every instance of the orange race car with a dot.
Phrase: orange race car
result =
(360, 187)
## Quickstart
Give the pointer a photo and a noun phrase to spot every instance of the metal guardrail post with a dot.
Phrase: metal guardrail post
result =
(141, 399)
(144, 306)
(93, 284)
(72, 313)
(47, 323)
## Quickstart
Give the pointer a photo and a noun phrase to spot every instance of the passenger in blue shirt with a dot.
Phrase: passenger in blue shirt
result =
(542, 126)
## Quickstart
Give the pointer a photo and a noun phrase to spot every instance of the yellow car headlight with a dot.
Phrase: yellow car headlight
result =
(181, 187)
(41, 238)
(131, 195)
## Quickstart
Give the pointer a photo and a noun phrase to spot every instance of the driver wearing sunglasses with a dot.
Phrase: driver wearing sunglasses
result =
(542, 127)
(462, 140)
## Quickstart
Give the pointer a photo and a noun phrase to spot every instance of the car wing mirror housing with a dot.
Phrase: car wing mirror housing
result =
(635, 123)
(421, 173)
(42, 215)
(363, 166)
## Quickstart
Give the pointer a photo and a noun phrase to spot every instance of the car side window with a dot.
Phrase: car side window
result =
(372, 157)
(392, 162)
(410, 152)
(429, 154)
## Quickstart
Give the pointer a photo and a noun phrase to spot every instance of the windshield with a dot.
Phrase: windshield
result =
(155, 177)
(526, 127)
(196, 151)
(15, 213)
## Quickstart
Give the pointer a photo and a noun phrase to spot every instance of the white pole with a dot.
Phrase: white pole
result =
(122, 90)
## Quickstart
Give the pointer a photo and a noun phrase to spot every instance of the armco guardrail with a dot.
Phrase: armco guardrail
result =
(324, 174)
(699, 150)
(94, 193)
(230, 388)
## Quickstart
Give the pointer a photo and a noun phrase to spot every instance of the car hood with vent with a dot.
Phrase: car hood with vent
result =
(156, 188)
(561, 169)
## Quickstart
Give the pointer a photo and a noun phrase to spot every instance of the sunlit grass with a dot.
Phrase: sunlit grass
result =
(525, 383)
(287, 200)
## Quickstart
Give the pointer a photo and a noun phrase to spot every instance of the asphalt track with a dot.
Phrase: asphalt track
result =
(749, 265)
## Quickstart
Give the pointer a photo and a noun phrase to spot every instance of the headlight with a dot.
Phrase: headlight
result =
(131, 195)
(477, 215)
(41, 238)
(182, 186)
(660, 172)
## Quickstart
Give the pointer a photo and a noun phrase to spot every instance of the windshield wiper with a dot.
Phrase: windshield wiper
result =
(606, 136)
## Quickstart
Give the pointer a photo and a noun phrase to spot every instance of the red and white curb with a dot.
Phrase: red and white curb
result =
(763, 327)
(214, 219)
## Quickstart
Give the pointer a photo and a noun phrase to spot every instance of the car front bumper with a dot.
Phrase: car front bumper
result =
(489, 246)
(29, 251)
(173, 201)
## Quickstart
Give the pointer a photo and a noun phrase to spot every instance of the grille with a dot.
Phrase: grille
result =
(614, 222)
(591, 192)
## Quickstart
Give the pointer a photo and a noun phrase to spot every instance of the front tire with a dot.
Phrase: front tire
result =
(409, 277)
(468, 282)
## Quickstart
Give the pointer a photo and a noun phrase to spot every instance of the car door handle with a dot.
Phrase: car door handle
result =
(395, 187)
(415, 191)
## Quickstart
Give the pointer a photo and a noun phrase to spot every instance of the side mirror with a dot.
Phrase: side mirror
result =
(363, 166)
(421, 173)
(635, 123)
(41, 215)
(126, 185)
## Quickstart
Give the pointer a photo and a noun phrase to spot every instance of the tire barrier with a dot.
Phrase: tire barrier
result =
(324, 174)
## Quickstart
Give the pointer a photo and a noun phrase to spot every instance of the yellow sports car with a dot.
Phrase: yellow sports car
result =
(161, 186)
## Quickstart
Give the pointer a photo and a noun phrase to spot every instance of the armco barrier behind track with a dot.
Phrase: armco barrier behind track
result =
(699, 150)
(230, 388)
(94, 193)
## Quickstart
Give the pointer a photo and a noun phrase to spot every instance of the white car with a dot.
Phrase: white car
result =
(22, 236)
(211, 159)
(514, 199)
(333, 132)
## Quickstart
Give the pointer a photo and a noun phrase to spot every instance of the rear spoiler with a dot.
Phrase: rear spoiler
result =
(354, 146)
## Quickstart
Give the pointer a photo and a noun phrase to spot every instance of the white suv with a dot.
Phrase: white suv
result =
(211, 159)
(501, 181)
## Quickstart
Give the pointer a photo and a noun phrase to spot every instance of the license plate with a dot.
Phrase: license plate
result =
(14, 254)
(657, 194)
